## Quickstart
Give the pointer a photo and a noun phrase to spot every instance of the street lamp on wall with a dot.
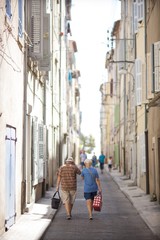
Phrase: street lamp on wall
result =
(103, 89)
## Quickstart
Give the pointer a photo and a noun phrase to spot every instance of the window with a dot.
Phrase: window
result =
(8, 8)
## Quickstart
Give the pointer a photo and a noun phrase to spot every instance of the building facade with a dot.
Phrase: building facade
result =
(135, 54)
(34, 111)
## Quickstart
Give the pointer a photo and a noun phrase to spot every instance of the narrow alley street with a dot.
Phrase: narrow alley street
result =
(118, 220)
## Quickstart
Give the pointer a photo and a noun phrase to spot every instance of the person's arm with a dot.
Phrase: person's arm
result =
(99, 185)
(58, 182)
(82, 175)
(78, 171)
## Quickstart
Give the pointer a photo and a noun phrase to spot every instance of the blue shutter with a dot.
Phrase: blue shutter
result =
(20, 19)
(8, 8)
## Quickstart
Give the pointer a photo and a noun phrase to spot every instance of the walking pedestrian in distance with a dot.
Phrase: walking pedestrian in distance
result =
(102, 161)
(83, 156)
(91, 185)
(94, 160)
(110, 164)
(67, 178)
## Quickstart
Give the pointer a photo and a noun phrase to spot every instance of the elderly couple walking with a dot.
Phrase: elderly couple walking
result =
(67, 179)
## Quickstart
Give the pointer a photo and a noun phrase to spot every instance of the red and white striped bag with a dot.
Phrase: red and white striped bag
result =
(97, 202)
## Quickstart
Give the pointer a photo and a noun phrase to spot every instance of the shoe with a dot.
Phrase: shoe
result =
(90, 218)
(69, 217)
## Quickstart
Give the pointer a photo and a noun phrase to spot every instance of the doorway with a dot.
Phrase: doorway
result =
(159, 167)
(10, 176)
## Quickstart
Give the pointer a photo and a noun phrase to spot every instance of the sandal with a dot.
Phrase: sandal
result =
(68, 217)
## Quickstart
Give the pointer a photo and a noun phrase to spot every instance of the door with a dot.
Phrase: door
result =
(159, 165)
(10, 176)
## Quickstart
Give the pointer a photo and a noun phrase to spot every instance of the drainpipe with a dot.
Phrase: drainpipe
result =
(146, 110)
(52, 127)
(60, 88)
(124, 36)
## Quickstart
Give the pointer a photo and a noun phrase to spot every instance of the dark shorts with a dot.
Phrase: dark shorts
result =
(82, 164)
(101, 166)
(90, 195)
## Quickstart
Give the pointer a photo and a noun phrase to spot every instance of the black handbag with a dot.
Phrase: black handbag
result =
(55, 201)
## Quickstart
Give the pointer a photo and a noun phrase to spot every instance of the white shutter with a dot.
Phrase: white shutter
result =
(149, 77)
(138, 74)
(140, 7)
(36, 28)
(34, 153)
(45, 147)
(40, 153)
(157, 66)
(143, 152)
(135, 7)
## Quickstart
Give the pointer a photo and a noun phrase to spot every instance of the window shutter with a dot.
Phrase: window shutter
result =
(157, 66)
(140, 6)
(20, 20)
(135, 17)
(40, 153)
(149, 77)
(36, 28)
(143, 83)
(143, 152)
(138, 74)
(111, 88)
(34, 153)
(44, 64)
(8, 8)
(45, 137)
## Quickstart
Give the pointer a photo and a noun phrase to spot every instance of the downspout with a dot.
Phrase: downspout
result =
(23, 185)
(119, 137)
(60, 88)
(51, 75)
(124, 36)
(44, 122)
(146, 111)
